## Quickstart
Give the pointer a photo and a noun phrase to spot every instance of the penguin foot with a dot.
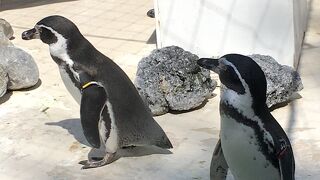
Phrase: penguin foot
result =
(97, 158)
(97, 163)
(129, 147)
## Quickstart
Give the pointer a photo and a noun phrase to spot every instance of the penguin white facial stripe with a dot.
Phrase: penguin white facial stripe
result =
(112, 141)
(59, 49)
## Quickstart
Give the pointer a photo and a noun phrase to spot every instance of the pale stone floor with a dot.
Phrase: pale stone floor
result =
(40, 132)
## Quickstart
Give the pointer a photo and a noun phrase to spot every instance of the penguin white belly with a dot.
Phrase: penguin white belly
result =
(111, 142)
(241, 151)
(73, 90)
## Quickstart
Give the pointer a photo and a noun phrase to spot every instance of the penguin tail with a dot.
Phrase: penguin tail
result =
(164, 143)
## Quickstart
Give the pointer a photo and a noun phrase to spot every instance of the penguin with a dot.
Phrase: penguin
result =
(254, 145)
(112, 113)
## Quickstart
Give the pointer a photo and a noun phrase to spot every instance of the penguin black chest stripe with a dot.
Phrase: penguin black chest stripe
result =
(263, 143)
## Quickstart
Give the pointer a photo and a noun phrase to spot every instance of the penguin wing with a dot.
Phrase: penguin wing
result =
(286, 159)
(92, 104)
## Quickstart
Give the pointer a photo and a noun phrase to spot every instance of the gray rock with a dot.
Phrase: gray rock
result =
(20, 66)
(3, 81)
(170, 79)
(282, 80)
(6, 28)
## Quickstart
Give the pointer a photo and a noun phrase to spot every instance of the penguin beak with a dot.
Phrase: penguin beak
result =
(30, 34)
(211, 64)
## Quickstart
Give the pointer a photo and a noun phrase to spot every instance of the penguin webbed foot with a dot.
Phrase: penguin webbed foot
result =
(129, 147)
(97, 161)
(97, 158)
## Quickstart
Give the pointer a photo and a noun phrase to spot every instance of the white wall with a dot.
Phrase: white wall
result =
(217, 27)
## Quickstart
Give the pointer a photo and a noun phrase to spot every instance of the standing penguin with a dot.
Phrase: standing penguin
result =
(112, 113)
(254, 145)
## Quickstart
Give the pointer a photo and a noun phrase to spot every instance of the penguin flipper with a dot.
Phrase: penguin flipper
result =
(92, 104)
(219, 167)
(286, 160)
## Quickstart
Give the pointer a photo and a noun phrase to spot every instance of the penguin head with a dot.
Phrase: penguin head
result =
(51, 29)
(240, 74)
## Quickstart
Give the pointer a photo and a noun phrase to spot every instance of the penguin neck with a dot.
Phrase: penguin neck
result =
(59, 50)
(243, 102)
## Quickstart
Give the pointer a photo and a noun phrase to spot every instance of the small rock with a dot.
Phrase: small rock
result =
(20, 66)
(282, 80)
(170, 79)
(6, 32)
(150, 13)
(4, 41)
(6, 28)
(3, 81)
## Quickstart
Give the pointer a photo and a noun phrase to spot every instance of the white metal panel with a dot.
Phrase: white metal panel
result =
(214, 28)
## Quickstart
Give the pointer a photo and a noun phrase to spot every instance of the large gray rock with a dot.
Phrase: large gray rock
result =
(20, 66)
(170, 79)
(282, 80)
(3, 81)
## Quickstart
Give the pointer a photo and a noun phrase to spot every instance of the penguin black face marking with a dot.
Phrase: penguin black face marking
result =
(46, 35)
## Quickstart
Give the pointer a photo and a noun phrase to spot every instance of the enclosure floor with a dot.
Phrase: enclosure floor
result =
(40, 132)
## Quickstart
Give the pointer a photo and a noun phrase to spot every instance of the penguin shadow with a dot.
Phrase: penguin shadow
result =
(73, 126)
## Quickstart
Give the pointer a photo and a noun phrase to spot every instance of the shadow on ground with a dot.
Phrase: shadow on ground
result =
(73, 126)
(5, 97)
(18, 4)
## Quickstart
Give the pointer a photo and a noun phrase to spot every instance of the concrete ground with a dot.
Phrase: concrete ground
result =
(40, 132)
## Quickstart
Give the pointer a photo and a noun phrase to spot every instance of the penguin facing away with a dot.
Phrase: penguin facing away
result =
(253, 143)
(112, 112)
